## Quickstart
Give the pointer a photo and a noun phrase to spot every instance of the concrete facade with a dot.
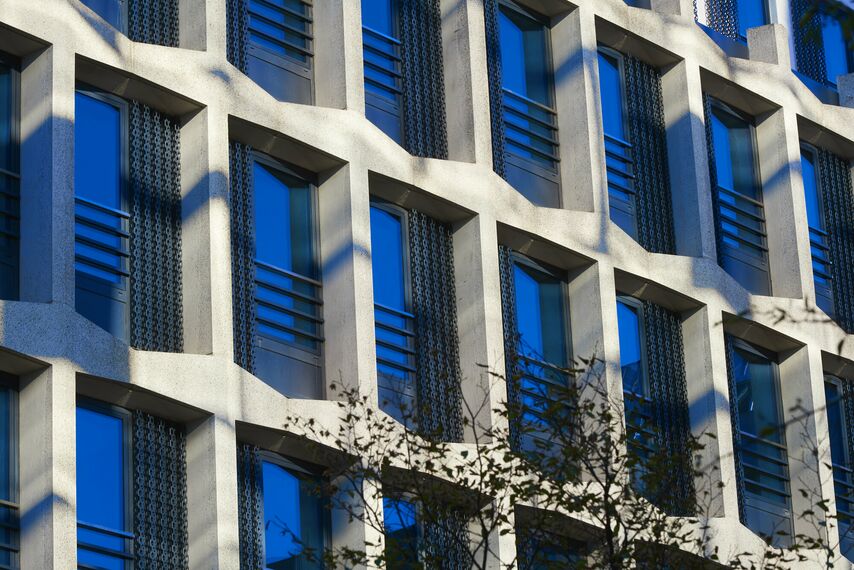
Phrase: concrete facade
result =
(58, 354)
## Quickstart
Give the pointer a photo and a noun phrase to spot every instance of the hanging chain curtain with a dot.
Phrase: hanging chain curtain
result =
(155, 231)
(513, 371)
(160, 494)
(242, 255)
(447, 540)
(153, 22)
(237, 35)
(669, 393)
(645, 114)
(423, 79)
(838, 197)
(809, 51)
(736, 429)
(722, 16)
(434, 305)
(496, 108)
(250, 508)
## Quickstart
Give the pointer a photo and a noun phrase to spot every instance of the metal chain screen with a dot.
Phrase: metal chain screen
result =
(160, 494)
(736, 430)
(669, 392)
(511, 335)
(838, 197)
(809, 51)
(447, 540)
(434, 305)
(250, 508)
(496, 107)
(423, 78)
(237, 36)
(155, 231)
(645, 113)
(722, 16)
(848, 409)
(242, 255)
(153, 22)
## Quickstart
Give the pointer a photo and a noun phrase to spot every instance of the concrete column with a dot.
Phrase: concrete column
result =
(466, 82)
(212, 500)
(708, 409)
(48, 478)
(688, 160)
(779, 158)
(845, 85)
(582, 166)
(364, 533)
(47, 176)
(770, 44)
(683, 8)
(345, 251)
(479, 321)
(338, 72)
(499, 548)
(192, 23)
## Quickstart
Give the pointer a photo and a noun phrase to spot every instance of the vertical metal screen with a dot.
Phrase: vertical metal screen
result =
(645, 114)
(838, 196)
(496, 97)
(153, 22)
(668, 390)
(447, 540)
(434, 305)
(423, 79)
(722, 16)
(736, 426)
(809, 51)
(160, 494)
(250, 508)
(511, 337)
(237, 36)
(242, 255)
(155, 231)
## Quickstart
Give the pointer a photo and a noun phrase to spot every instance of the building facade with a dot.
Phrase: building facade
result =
(215, 210)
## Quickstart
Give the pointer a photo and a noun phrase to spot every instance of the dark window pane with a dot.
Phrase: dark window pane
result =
(525, 57)
(401, 533)
(100, 469)
(7, 446)
(758, 397)
(836, 424)
(540, 315)
(387, 259)
(631, 359)
(379, 16)
(8, 150)
(734, 158)
(837, 56)
(751, 13)
(611, 89)
(110, 10)
(97, 151)
(811, 192)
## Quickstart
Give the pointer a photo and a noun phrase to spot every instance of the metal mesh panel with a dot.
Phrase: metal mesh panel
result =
(722, 17)
(153, 22)
(645, 113)
(496, 110)
(237, 37)
(848, 409)
(838, 196)
(666, 362)
(242, 255)
(736, 430)
(447, 540)
(809, 51)
(423, 78)
(160, 494)
(511, 335)
(434, 306)
(250, 508)
(155, 230)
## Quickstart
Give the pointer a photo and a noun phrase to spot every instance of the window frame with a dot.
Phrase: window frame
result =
(403, 214)
(821, 289)
(292, 350)
(120, 292)
(372, 99)
(124, 24)
(10, 384)
(408, 497)
(837, 381)
(129, 533)
(637, 305)
(13, 65)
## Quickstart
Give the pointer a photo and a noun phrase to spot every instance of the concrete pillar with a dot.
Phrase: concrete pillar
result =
(212, 499)
(498, 549)
(466, 82)
(683, 8)
(338, 72)
(770, 44)
(345, 252)
(708, 410)
(48, 478)
(47, 176)
(479, 322)
(688, 160)
(192, 23)
(845, 85)
(364, 534)
(779, 159)
(582, 166)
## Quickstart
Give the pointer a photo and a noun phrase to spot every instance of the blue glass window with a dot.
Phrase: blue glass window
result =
(838, 55)
(395, 326)
(618, 149)
(545, 550)
(288, 290)
(280, 48)
(751, 13)
(543, 346)
(843, 476)
(113, 11)
(741, 213)
(9, 182)
(819, 246)
(382, 56)
(8, 479)
(294, 527)
(401, 533)
(101, 217)
(762, 450)
(104, 535)
(530, 120)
